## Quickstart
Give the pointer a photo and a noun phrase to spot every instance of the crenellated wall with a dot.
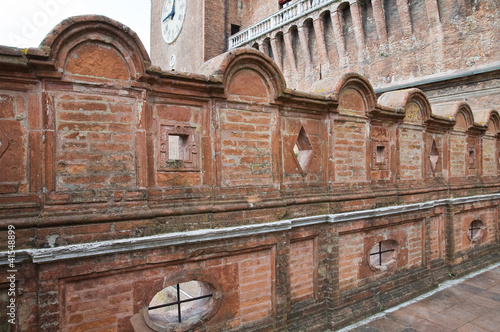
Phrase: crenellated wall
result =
(120, 180)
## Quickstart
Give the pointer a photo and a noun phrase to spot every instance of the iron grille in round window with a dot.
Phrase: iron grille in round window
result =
(383, 255)
(475, 231)
(182, 304)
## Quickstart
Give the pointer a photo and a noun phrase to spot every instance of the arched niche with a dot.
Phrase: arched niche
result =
(248, 73)
(75, 45)
(490, 119)
(96, 60)
(460, 112)
(248, 82)
(464, 118)
(413, 102)
(354, 94)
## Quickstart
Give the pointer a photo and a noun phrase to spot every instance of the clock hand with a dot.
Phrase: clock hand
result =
(171, 14)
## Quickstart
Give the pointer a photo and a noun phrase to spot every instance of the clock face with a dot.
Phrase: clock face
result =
(172, 17)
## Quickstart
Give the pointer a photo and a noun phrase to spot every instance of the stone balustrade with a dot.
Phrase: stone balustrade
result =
(286, 15)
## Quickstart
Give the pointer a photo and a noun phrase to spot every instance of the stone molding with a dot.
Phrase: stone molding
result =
(85, 250)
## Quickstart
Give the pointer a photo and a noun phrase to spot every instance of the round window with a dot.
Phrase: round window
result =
(383, 255)
(476, 231)
(180, 306)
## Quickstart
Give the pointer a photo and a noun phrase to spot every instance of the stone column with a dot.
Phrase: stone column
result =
(433, 13)
(379, 16)
(404, 16)
(275, 46)
(339, 36)
(290, 58)
(357, 21)
(320, 40)
(264, 48)
(436, 37)
(304, 45)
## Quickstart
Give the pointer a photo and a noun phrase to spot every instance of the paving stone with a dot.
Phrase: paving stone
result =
(387, 325)
(428, 326)
(471, 328)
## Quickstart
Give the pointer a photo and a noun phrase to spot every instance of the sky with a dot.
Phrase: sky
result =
(24, 23)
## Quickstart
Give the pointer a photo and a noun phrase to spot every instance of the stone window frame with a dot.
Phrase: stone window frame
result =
(193, 321)
(302, 151)
(476, 225)
(380, 157)
(472, 157)
(188, 149)
(390, 261)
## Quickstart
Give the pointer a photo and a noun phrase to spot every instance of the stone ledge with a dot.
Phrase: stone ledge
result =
(84, 250)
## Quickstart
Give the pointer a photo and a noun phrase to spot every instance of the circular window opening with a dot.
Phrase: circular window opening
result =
(476, 231)
(181, 305)
(383, 255)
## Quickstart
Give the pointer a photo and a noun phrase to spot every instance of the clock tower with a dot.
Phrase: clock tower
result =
(186, 33)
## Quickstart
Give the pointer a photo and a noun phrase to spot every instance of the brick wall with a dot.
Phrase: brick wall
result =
(246, 147)
(96, 147)
(350, 151)
(487, 215)
(457, 155)
(410, 147)
(111, 215)
(302, 267)
(489, 156)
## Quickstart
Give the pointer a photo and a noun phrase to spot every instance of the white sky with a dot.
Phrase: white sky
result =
(24, 23)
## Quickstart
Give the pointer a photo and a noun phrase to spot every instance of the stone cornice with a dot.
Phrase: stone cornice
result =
(86, 250)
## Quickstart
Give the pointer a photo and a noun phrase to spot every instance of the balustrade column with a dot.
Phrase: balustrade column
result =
(305, 46)
(320, 40)
(339, 36)
(289, 50)
(276, 51)
(404, 16)
(379, 15)
(357, 21)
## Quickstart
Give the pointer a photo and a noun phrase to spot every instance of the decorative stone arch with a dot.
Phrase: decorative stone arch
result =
(324, 13)
(307, 22)
(355, 94)
(73, 43)
(267, 48)
(342, 5)
(490, 119)
(413, 102)
(460, 112)
(247, 74)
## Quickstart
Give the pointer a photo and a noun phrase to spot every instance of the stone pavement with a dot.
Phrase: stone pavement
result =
(470, 304)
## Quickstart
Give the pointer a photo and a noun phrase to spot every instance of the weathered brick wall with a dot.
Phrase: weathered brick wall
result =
(13, 124)
(256, 10)
(457, 155)
(489, 156)
(96, 146)
(302, 267)
(410, 145)
(123, 179)
(355, 246)
(487, 215)
(246, 147)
